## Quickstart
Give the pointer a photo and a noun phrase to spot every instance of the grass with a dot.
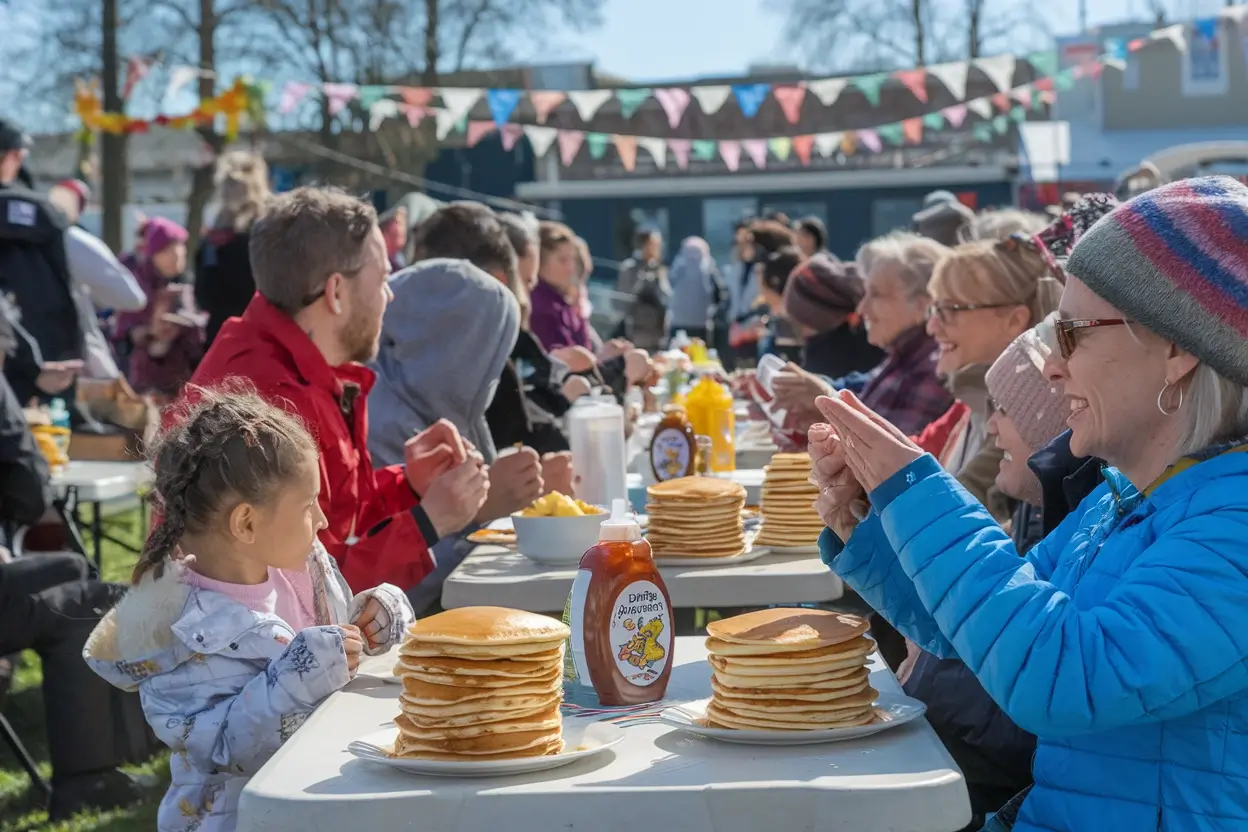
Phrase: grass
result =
(21, 807)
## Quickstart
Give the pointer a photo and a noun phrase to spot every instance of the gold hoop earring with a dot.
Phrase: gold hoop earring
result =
(1162, 395)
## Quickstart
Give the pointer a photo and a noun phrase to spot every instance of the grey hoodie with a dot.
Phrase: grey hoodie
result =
(444, 341)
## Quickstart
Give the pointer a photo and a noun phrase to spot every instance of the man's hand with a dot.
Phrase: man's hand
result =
(576, 386)
(797, 389)
(453, 499)
(637, 366)
(557, 474)
(56, 376)
(578, 359)
(515, 482)
(614, 348)
(431, 453)
(353, 646)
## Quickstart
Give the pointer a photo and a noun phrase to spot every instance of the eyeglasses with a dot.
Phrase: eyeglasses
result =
(994, 406)
(1066, 330)
(1033, 243)
(946, 311)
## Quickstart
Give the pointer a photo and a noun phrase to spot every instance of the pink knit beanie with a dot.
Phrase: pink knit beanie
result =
(1016, 382)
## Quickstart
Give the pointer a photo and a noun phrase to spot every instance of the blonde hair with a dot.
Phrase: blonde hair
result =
(242, 183)
(1000, 223)
(914, 256)
(1007, 273)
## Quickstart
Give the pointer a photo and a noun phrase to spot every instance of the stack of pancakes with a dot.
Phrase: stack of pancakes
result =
(787, 506)
(481, 683)
(696, 517)
(789, 670)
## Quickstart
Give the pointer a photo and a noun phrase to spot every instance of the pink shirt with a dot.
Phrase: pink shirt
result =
(286, 594)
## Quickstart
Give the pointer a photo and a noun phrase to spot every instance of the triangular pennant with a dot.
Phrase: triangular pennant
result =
(955, 115)
(292, 93)
(704, 150)
(1176, 34)
(1001, 101)
(953, 76)
(380, 111)
(999, 69)
(827, 90)
(750, 97)
(511, 134)
(1043, 62)
(459, 102)
(1206, 27)
(680, 150)
(892, 133)
(502, 104)
(710, 99)
(1001, 124)
(982, 132)
(544, 102)
(1043, 84)
(781, 147)
(630, 100)
(790, 100)
(1049, 98)
(540, 138)
(626, 146)
(849, 144)
(416, 96)
(1023, 96)
(570, 142)
(870, 139)
(915, 81)
(478, 130)
(657, 148)
(338, 95)
(598, 143)
(731, 153)
(981, 107)
(802, 146)
(912, 130)
(180, 76)
(827, 143)
(370, 94)
(415, 115)
(1065, 79)
(1018, 114)
(934, 121)
(589, 102)
(674, 102)
(870, 85)
(446, 123)
(757, 150)
(1037, 102)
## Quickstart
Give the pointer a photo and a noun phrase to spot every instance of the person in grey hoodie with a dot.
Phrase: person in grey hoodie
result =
(696, 288)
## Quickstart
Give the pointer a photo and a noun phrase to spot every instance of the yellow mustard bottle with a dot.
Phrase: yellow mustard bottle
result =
(710, 410)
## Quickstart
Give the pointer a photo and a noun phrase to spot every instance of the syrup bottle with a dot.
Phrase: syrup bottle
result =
(620, 650)
(674, 448)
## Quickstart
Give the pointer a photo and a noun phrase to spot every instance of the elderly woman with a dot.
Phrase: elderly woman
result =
(820, 299)
(1119, 640)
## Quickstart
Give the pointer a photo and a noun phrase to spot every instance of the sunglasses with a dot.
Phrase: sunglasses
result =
(1066, 329)
(1033, 243)
(946, 311)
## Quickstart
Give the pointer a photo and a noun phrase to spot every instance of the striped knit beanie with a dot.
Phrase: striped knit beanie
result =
(1176, 260)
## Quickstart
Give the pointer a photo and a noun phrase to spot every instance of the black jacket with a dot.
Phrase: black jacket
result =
(839, 352)
(223, 281)
(994, 753)
(528, 402)
(25, 493)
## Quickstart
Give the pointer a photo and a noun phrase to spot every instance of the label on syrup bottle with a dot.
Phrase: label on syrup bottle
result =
(669, 454)
(641, 633)
(575, 665)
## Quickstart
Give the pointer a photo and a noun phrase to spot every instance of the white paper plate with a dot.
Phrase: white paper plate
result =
(892, 709)
(794, 550)
(582, 738)
(380, 667)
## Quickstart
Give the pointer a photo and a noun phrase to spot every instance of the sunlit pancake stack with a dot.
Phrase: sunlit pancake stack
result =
(696, 517)
(789, 670)
(481, 683)
(787, 505)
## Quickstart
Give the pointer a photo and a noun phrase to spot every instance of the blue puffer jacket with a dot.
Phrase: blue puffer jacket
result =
(1121, 640)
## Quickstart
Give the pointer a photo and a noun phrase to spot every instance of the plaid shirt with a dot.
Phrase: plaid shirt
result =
(905, 389)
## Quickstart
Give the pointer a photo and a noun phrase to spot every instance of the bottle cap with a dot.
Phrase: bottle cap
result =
(622, 525)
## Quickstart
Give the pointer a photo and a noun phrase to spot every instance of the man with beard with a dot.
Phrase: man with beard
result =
(321, 270)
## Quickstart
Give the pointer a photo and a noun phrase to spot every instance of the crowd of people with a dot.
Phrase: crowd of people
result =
(1025, 432)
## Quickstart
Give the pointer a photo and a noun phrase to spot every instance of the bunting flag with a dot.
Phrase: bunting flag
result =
(415, 115)
(802, 146)
(781, 147)
(704, 150)
(445, 124)
(982, 133)
(757, 151)
(540, 137)
(589, 102)
(870, 85)
(790, 100)
(502, 104)
(1206, 27)
(459, 102)
(953, 75)
(1001, 101)
(1064, 80)
(981, 107)
(871, 140)
(711, 99)
(1001, 124)
(680, 151)
(339, 95)
(370, 94)
(631, 100)
(657, 148)
(137, 68)
(380, 111)
(891, 133)
(1023, 96)
(180, 77)
(570, 142)
(1044, 62)
(674, 102)
(730, 152)
(955, 115)
(999, 69)
(598, 143)
(1175, 34)
(915, 81)
(626, 146)
(292, 93)
(934, 121)
(827, 90)
(416, 96)
(750, 97)
(828, 143)
(1018, 115)
(478, 130)
(912, 130)
(511, 134)
(544, 103)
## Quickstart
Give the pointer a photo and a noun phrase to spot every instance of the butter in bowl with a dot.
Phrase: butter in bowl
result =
(557, 529)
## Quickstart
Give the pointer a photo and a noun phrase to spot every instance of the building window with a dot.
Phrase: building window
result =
(890, 214)
(719, 216)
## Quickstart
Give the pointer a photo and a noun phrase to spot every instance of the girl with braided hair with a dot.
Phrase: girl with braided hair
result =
(239, 623)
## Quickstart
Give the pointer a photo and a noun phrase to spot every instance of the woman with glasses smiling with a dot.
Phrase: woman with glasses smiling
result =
(1121, 640)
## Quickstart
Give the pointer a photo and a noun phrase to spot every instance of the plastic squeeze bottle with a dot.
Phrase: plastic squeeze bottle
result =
(711, 413)
(620, 614)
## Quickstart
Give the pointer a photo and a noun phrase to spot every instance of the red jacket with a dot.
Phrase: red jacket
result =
(377, 531)
(935, 437)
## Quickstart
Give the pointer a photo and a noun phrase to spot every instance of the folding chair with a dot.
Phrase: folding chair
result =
(15, 744)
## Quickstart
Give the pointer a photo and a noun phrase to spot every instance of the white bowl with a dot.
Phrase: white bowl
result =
(558, 540)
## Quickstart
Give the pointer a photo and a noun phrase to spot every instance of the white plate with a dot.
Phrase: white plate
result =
(582, 738)
(892, 709)
(794, 550)
(380, 667)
